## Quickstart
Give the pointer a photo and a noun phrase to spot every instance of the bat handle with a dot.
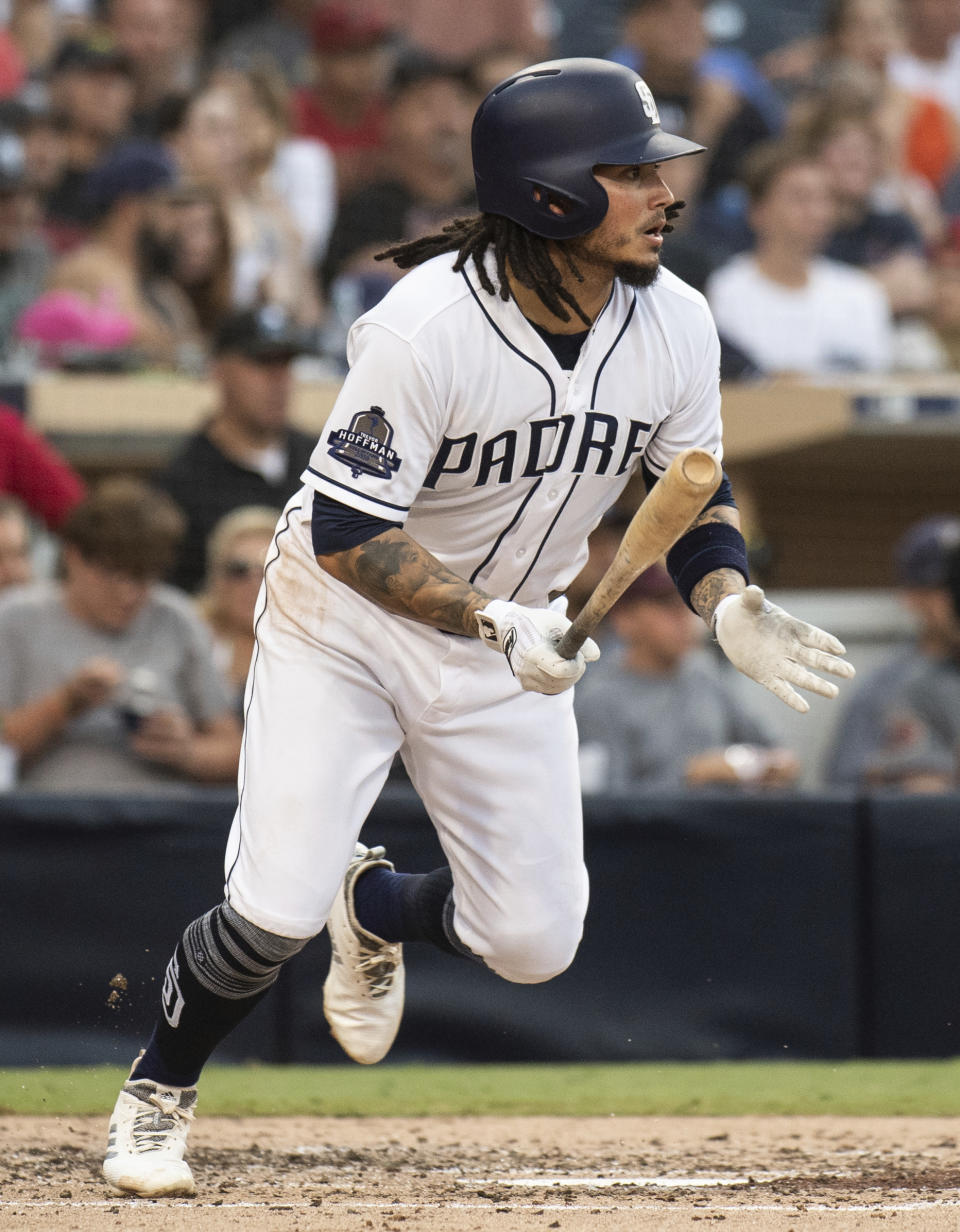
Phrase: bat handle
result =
(574, 638)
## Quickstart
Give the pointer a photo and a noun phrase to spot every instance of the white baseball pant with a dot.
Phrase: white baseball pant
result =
(336, 687)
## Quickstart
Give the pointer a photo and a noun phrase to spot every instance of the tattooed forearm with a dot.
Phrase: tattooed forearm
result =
(395, 572)
(715, 586)
(711, 589)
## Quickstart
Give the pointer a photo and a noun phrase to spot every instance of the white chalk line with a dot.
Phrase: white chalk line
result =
(354, 1204)
(560, 1181)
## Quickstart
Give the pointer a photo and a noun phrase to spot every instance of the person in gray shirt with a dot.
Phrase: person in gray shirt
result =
(657, 712)
(107, 681)
(901, 728)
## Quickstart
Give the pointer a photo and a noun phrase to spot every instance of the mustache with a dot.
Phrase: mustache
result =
(671, 212)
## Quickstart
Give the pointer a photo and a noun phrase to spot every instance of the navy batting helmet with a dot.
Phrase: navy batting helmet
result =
(539, 134)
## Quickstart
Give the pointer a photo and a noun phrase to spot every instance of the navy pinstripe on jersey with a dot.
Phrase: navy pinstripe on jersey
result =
(505, 461)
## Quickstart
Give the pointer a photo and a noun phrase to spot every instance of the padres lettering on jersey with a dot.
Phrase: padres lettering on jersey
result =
(494, 458)
(540, 448)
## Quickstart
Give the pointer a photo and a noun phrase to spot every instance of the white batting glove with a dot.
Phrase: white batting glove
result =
(777, 650)
(528, 636)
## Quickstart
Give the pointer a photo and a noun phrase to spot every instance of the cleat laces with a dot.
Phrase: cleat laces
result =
(377, 968)
(152, 1126)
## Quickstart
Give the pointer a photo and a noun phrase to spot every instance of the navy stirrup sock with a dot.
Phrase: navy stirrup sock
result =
(175, 1056)
(405, 906)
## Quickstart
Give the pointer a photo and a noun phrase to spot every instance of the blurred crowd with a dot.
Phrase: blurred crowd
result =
(204, 185)
(163, 162)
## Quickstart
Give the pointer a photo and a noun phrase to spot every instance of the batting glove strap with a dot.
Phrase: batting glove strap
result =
(777, 650)
(528, 638)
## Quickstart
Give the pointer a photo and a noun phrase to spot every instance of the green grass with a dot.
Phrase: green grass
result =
(854, 1088)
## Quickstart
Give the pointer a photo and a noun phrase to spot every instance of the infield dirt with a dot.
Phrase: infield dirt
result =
(612, 1174)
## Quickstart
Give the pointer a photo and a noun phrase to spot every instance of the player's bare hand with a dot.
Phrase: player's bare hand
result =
(92, 684)
(528, 637)
(166, 736)
(777, 650)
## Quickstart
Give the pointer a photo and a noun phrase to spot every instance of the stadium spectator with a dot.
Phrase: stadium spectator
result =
(25, 257)
(34, 472)
(215, 141)
(870, 231)
(35, 29)
(235, 556)
(103, 294)
(658, 714)
(448, 31)
(203, 134)
(428, 181)
(299, 171)
(16, 565)
(344, 105)
(163, 42)
(187, 242)
(902, 727)
(789, 309)
(491, 66)
(930, 64)
(246, 453)
(13, 68)
(279, 38)
(45, 136)
(107, 681)
(861, 37)
(712, 95)
(92, 88)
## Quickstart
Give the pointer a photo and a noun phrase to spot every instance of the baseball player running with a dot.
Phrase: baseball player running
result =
(498, 401)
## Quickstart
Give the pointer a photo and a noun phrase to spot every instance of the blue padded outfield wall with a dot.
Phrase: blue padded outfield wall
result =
(719, 927)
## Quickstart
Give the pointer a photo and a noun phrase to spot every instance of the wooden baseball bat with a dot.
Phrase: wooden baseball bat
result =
(676, 499)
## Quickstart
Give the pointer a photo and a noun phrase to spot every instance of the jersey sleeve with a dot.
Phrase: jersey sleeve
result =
(382, 434)
(694, 420)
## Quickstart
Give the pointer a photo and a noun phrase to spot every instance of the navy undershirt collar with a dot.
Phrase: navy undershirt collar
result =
(565, 347)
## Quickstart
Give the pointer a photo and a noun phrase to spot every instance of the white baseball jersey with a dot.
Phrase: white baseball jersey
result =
(457, 420)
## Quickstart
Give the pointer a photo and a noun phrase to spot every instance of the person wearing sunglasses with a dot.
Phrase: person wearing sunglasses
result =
(235, 554)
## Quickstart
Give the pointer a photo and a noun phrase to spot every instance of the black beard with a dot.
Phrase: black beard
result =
(635, 275)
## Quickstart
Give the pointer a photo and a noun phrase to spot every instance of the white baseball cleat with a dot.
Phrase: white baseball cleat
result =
(363, 991)
(148, 1136)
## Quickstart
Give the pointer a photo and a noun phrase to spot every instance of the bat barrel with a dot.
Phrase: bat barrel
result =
(700, 468)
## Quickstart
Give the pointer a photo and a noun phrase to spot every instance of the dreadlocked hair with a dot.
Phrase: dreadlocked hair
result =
(527, 255)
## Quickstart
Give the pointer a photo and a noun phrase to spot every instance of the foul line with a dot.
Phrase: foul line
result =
(353, 1204)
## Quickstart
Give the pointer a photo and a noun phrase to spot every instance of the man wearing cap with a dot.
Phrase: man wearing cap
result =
(902, 727)
(427, 179)
(345, 107)
(91, 86)
(106, 275)
(246, 453)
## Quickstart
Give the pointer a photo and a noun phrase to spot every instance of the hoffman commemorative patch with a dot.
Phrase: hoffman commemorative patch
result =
(365, 445)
